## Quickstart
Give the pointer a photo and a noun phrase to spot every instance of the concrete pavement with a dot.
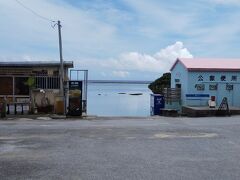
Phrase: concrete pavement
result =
(121, 148)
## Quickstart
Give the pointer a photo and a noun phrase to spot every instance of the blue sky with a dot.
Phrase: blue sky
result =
(121, 39)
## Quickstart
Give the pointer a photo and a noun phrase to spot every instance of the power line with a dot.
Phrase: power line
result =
(34, 12)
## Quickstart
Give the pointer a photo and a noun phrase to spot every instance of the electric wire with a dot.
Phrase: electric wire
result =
(34, 12)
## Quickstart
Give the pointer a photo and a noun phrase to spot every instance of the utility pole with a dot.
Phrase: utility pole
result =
(61, 66)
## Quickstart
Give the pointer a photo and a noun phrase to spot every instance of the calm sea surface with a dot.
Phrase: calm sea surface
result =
(104, 99)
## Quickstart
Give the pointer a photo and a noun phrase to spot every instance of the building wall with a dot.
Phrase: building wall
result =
(223, 87)
(192, 83)
(179, 75)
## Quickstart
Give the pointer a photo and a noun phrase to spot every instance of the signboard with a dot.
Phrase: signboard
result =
(75, 98)
(197, 96)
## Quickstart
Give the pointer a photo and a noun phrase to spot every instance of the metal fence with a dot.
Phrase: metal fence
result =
(47, 82)
(172, 95)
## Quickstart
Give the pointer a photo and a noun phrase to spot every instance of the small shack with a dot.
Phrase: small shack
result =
(202, 79)
(31, 83)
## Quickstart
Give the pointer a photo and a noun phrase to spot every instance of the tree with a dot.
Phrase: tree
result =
(31, 83)
(159, 84)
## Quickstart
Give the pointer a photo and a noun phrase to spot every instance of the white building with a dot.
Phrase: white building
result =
(199, 79)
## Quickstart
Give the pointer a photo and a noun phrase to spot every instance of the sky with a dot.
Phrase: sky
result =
(120, 39)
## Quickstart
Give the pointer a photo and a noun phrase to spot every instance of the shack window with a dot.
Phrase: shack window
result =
(6, 87)
(21, 88)
(213, 87)
(229, 87)
(234, 78)
(178, 85)
(200, 87)
(47, 82)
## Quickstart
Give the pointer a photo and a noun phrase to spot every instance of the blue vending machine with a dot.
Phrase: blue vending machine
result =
(157, 103)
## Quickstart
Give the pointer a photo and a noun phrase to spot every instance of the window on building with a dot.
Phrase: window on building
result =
(200, 78)
(213, 87)
(178, 85)
(223, 78)
(200, 87)
(234, 78)
(21, 88)
(229, 87)
(48, 82)
(177, 80)
(212, 78)
(6, 87)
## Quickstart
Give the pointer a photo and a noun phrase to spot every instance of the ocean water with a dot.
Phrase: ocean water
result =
(114, 99)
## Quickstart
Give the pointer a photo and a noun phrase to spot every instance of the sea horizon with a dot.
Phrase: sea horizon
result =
(118, 99)
(121, 81)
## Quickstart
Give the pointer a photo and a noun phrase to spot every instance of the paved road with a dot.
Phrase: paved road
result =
(121, 148)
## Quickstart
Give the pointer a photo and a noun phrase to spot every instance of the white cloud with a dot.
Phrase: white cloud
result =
(121, 74)
(159, 62)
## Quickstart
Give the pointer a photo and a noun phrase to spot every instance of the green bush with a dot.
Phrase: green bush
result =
(159, 84)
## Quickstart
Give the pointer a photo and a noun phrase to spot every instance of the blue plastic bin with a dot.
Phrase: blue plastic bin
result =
(157, 103)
